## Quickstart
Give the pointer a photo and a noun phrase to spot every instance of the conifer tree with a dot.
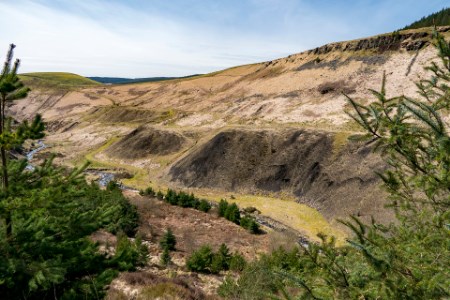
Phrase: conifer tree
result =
(168, 240)
(165, 257)
(50, 212)
(223, 205)
(12, 89)
(233, 214)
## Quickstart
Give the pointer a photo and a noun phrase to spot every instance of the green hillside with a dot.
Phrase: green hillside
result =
(120, 80)
(56, 80)
(441, 18)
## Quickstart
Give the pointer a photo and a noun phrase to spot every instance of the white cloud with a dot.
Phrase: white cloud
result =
(139, 38)
(126, 43)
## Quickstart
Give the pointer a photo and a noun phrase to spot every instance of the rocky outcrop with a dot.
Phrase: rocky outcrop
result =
(410, 41)
(294, 161)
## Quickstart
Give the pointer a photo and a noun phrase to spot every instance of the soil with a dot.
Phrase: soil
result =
(300, 162)
(192, 229)
(145, 141)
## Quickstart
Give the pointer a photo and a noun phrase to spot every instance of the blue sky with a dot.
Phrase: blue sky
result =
(139, 38)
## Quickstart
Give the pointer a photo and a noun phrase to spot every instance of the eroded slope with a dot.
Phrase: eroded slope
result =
(207, 131)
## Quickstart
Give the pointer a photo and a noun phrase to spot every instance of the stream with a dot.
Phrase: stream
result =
(103, 177)
(30, 154)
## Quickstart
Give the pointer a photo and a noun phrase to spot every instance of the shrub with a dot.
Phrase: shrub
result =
(165, 257)
(201, 260)
(223, 205)
(205, 260)
(171, 197)
(221, 259)
(250, 224)
(232, 213)
(204, 206)
(112, 185)
(129, 254)
(168, 241)
(183, 199)
(147, 192)
(237, 263)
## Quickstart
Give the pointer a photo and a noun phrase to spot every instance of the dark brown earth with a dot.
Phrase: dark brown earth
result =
(338, 182)
(146, 140)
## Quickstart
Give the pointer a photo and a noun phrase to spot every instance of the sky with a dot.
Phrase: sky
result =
(148, 38)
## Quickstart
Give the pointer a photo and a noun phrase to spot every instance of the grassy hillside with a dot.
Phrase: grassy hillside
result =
(56, 80)
(119, 80)
(441, 18)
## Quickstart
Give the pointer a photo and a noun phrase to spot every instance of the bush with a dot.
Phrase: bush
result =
(129, 254)
(126, 217)
(201, 260)
(232, 213)
(171, 197)
(185, 200)
(147, 192)
(237, 263)
(259, 279)
(223, 205)
(168, 241)
(204, 206)
(112, 185)
(250, 224)
(205, 260)
(165, 257)
(221, 259)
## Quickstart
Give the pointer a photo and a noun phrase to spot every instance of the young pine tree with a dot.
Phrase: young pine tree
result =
(165, 257)
(11, 88)
(168, 240)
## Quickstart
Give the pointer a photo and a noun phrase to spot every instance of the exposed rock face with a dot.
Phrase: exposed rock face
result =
(295, 161)
(145, 141)
(395, 41)
(266, 160)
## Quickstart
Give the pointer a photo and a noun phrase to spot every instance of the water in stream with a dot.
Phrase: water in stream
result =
(103, 177)
(30, 154)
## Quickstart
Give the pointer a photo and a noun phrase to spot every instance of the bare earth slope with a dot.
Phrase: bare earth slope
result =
(276, 128)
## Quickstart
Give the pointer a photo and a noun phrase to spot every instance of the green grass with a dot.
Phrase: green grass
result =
(300, 217)
(56, 80)
(140, 179)
(297, 216)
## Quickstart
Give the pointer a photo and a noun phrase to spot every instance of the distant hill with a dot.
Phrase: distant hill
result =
(119, 80)
(441, 18)
(56, 80)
